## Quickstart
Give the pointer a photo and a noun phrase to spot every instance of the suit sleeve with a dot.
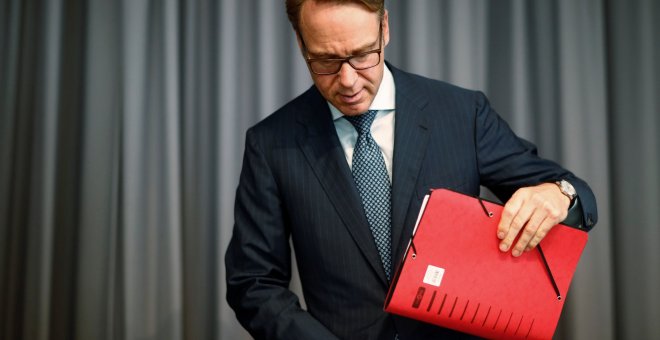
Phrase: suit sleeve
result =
(258, 259)
(507, 162)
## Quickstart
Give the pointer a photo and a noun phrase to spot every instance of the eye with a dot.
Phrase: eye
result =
(361, 58)
(326, 63)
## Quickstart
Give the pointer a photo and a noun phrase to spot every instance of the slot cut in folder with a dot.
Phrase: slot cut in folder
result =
(454, 275)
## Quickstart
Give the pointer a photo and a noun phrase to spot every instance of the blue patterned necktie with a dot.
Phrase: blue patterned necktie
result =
(373, 184)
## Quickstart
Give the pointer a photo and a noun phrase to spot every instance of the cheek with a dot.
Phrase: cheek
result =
(325, 85)
(374, 77)
(367, 79)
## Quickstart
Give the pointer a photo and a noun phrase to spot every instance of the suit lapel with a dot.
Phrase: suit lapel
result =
(410, 142)
(320, 145)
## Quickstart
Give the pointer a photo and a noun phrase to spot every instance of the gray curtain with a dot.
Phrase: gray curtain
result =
(121, 138)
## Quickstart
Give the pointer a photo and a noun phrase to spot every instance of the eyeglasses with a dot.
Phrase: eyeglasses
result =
(361, 61)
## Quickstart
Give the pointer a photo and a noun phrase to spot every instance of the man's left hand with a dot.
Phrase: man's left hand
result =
(534, 211)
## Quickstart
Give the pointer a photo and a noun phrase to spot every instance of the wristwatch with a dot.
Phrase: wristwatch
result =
(566, 189)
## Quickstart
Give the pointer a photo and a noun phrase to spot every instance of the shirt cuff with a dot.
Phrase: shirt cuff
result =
(575, 215)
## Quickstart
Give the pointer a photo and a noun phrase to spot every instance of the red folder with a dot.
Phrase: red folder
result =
(453, 274)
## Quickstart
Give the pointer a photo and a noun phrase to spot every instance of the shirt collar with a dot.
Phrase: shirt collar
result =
(384, 99)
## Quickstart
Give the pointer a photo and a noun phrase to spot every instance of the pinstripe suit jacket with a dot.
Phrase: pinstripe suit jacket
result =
(296, 185)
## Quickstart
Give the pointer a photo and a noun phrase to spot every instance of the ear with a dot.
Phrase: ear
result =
(386, 28)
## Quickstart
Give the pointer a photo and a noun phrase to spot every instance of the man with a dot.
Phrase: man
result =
(310, 175)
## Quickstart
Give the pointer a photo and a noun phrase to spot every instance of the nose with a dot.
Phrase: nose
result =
(347, 75)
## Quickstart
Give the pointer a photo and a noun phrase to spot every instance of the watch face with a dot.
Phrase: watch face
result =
(567, 189)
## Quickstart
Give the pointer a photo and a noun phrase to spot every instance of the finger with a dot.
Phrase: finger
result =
(517, 223)
(529, 232)
(541, 233)
(508, 213)
(553, 216)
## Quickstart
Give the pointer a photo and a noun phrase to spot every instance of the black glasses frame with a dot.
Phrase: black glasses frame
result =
(347, 59)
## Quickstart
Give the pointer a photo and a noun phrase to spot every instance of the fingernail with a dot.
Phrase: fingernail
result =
(500, 235)
(503, 247)
(516, 253)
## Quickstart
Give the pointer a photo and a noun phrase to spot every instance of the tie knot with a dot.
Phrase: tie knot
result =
(362, 123)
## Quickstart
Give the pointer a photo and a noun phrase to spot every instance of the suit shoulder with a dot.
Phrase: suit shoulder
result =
(285, 117)
(437, 92)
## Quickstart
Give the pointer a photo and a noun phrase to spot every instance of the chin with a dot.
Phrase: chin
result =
(353, 110)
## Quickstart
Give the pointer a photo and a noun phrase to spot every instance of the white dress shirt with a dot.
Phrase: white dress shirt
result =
(382, 129)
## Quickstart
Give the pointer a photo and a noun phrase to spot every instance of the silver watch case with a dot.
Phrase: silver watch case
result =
(566, 189)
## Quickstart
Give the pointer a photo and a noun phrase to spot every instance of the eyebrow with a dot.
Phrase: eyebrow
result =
(366, 48)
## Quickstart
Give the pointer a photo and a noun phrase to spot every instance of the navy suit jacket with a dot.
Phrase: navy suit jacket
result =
(296, 186)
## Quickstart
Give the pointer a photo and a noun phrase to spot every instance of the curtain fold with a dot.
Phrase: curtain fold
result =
(98, 244)
(122, 131)
(634, 84)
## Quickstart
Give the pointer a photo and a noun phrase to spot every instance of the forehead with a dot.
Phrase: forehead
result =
(337, 28)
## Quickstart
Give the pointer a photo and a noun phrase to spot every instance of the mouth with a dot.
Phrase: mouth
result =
(350, 99)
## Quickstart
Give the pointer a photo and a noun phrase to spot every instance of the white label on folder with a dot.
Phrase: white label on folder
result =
(434, 275)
